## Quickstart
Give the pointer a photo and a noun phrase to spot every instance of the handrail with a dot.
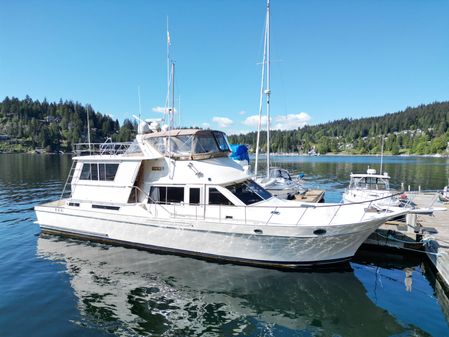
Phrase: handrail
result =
(106, 148)
(274, 209)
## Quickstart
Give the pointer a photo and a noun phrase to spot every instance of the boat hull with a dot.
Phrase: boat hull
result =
(233, 243)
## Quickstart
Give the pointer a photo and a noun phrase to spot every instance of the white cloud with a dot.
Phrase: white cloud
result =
(223, 122)
(283, 122)
(205, 125)
(291, 121)
(160, 109)
(254, 120)
(243, 112)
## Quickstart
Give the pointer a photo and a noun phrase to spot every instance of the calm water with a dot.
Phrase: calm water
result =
(51, 286)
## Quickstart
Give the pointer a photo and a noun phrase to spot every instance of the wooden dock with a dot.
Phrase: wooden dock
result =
(435, 234)
(311, 196)
(427, 233)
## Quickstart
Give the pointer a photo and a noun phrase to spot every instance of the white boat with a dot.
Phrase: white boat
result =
(178, 191)
(444, 195)
(281, 184)
(370, 186)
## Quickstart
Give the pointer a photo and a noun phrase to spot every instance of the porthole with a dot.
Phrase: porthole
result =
(319, 231)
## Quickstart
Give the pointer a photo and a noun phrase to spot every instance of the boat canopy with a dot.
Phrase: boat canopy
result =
(369, 182)
(276, 172)
(189, 144)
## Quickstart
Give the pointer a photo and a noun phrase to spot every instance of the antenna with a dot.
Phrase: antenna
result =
(140, 106)
(381, 154)
(179, 111)
(88, 127)
(172, 110)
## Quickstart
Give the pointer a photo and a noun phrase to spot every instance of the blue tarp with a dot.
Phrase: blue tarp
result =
(239, 152)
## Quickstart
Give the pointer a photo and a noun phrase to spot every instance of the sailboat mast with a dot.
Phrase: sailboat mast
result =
(262, 82)
(267, 91)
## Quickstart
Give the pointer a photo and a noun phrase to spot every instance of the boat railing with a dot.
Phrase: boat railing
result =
(240, 212)
(108, 147)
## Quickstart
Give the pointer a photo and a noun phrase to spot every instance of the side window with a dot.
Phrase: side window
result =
(94, 171)
(175, 194)
(216, 198)
(111, 171)
(104, 172)
(165, 194)
(85, 172)
(194, 195)
(158, 195)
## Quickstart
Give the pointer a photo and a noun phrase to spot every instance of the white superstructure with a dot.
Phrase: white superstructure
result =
(178, 191)
(370, 186)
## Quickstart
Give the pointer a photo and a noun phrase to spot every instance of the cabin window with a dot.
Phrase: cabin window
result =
(194, 196)
(222, 141)
(111, 171)
(216, 198)
(175, 194)
(165, 194)
(249, 192)
(158, 194)
(205, 143)
(104, 172)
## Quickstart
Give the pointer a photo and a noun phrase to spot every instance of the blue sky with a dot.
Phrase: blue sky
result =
(330, 59)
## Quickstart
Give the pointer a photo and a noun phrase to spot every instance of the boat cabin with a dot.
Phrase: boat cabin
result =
(185, 167)
(370, 181)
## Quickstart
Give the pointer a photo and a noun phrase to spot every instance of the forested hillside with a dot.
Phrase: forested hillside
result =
(27, 124)
(419, 130)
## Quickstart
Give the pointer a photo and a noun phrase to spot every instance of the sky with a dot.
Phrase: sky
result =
(330, 59)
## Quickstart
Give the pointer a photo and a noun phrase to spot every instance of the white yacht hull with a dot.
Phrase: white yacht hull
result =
(286, 246)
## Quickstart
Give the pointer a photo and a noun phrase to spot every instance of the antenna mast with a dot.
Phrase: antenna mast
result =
(381, 154)
(88, 127)
(172, 109)
(140, 105)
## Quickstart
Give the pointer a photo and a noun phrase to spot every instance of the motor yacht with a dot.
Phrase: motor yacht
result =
(177, 191)
(371, 186)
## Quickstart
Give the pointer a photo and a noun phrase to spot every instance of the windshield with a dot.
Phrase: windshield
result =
(370, 183)
(249, 192)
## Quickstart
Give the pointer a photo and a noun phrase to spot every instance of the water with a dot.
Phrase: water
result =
(53, 286)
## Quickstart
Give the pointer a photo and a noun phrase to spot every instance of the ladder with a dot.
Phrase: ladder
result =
(67, 185)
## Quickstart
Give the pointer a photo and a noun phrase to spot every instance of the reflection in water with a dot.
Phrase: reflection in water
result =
(131, 292)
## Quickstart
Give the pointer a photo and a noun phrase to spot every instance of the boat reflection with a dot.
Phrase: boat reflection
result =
(131, 292)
